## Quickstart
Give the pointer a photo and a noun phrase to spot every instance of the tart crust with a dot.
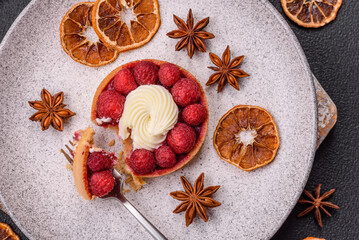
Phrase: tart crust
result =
(79, 166)
(128, 142)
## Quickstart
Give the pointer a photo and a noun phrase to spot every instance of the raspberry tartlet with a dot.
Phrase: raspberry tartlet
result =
(160, 112)
(92, 166)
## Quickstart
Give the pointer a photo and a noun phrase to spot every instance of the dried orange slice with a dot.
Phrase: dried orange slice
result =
(126, 24)
(7, 233)
(247, 137)
(73, 28)
(313, 238)
(311, 13)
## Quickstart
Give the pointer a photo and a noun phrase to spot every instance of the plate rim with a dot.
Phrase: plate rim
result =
(309, 74)
(292, 37)
(2, 44)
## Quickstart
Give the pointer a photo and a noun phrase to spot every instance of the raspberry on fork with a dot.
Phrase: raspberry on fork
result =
(101, 183)
(100, 160)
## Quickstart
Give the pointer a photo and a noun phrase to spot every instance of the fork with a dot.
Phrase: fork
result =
(117, 192)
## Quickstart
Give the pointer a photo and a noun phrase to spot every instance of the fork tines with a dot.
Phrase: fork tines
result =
(70, 151)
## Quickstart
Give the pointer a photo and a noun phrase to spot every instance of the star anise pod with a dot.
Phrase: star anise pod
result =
(191, 36)
(51, 110)
(225, 70)
(195, 199)
(317, 204)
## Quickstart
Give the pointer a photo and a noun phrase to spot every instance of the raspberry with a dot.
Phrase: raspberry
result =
(124, 82)
(169, 74)
(194, 114)
(145, 73)
(185, 92)
(77, 135)
(142, 161)
(101, 183)
(110, 86)
(98, 161)
(165, 157)
(181, 138)
(110, 104)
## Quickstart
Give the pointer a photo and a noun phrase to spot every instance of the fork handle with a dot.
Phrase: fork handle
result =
(155, 233)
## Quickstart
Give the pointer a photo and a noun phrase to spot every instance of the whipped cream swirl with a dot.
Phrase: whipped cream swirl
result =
(150, 112)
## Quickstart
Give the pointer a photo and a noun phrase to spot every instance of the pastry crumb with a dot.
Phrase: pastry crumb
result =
(120, 166)
(69, 167)
(134, 182)
(111, 143)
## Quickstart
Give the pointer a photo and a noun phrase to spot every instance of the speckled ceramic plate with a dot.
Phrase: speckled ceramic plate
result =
(38, 191)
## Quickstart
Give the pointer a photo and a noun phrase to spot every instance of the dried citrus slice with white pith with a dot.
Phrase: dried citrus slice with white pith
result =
(126, 24)
(247, 137)
(80, 41)
(311, 13)
(313, 238)
(7, 233)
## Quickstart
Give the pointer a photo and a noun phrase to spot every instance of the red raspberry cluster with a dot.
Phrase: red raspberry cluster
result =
(100, 164)
(185, 92)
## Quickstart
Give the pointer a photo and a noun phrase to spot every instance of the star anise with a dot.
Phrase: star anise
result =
(191, 36)
(195, 199)
(225, 70)
(317, 203)
(51, 110)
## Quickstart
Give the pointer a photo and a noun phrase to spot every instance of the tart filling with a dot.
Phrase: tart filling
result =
(148, 115)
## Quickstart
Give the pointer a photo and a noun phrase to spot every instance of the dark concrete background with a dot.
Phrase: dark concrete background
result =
(333, 55)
